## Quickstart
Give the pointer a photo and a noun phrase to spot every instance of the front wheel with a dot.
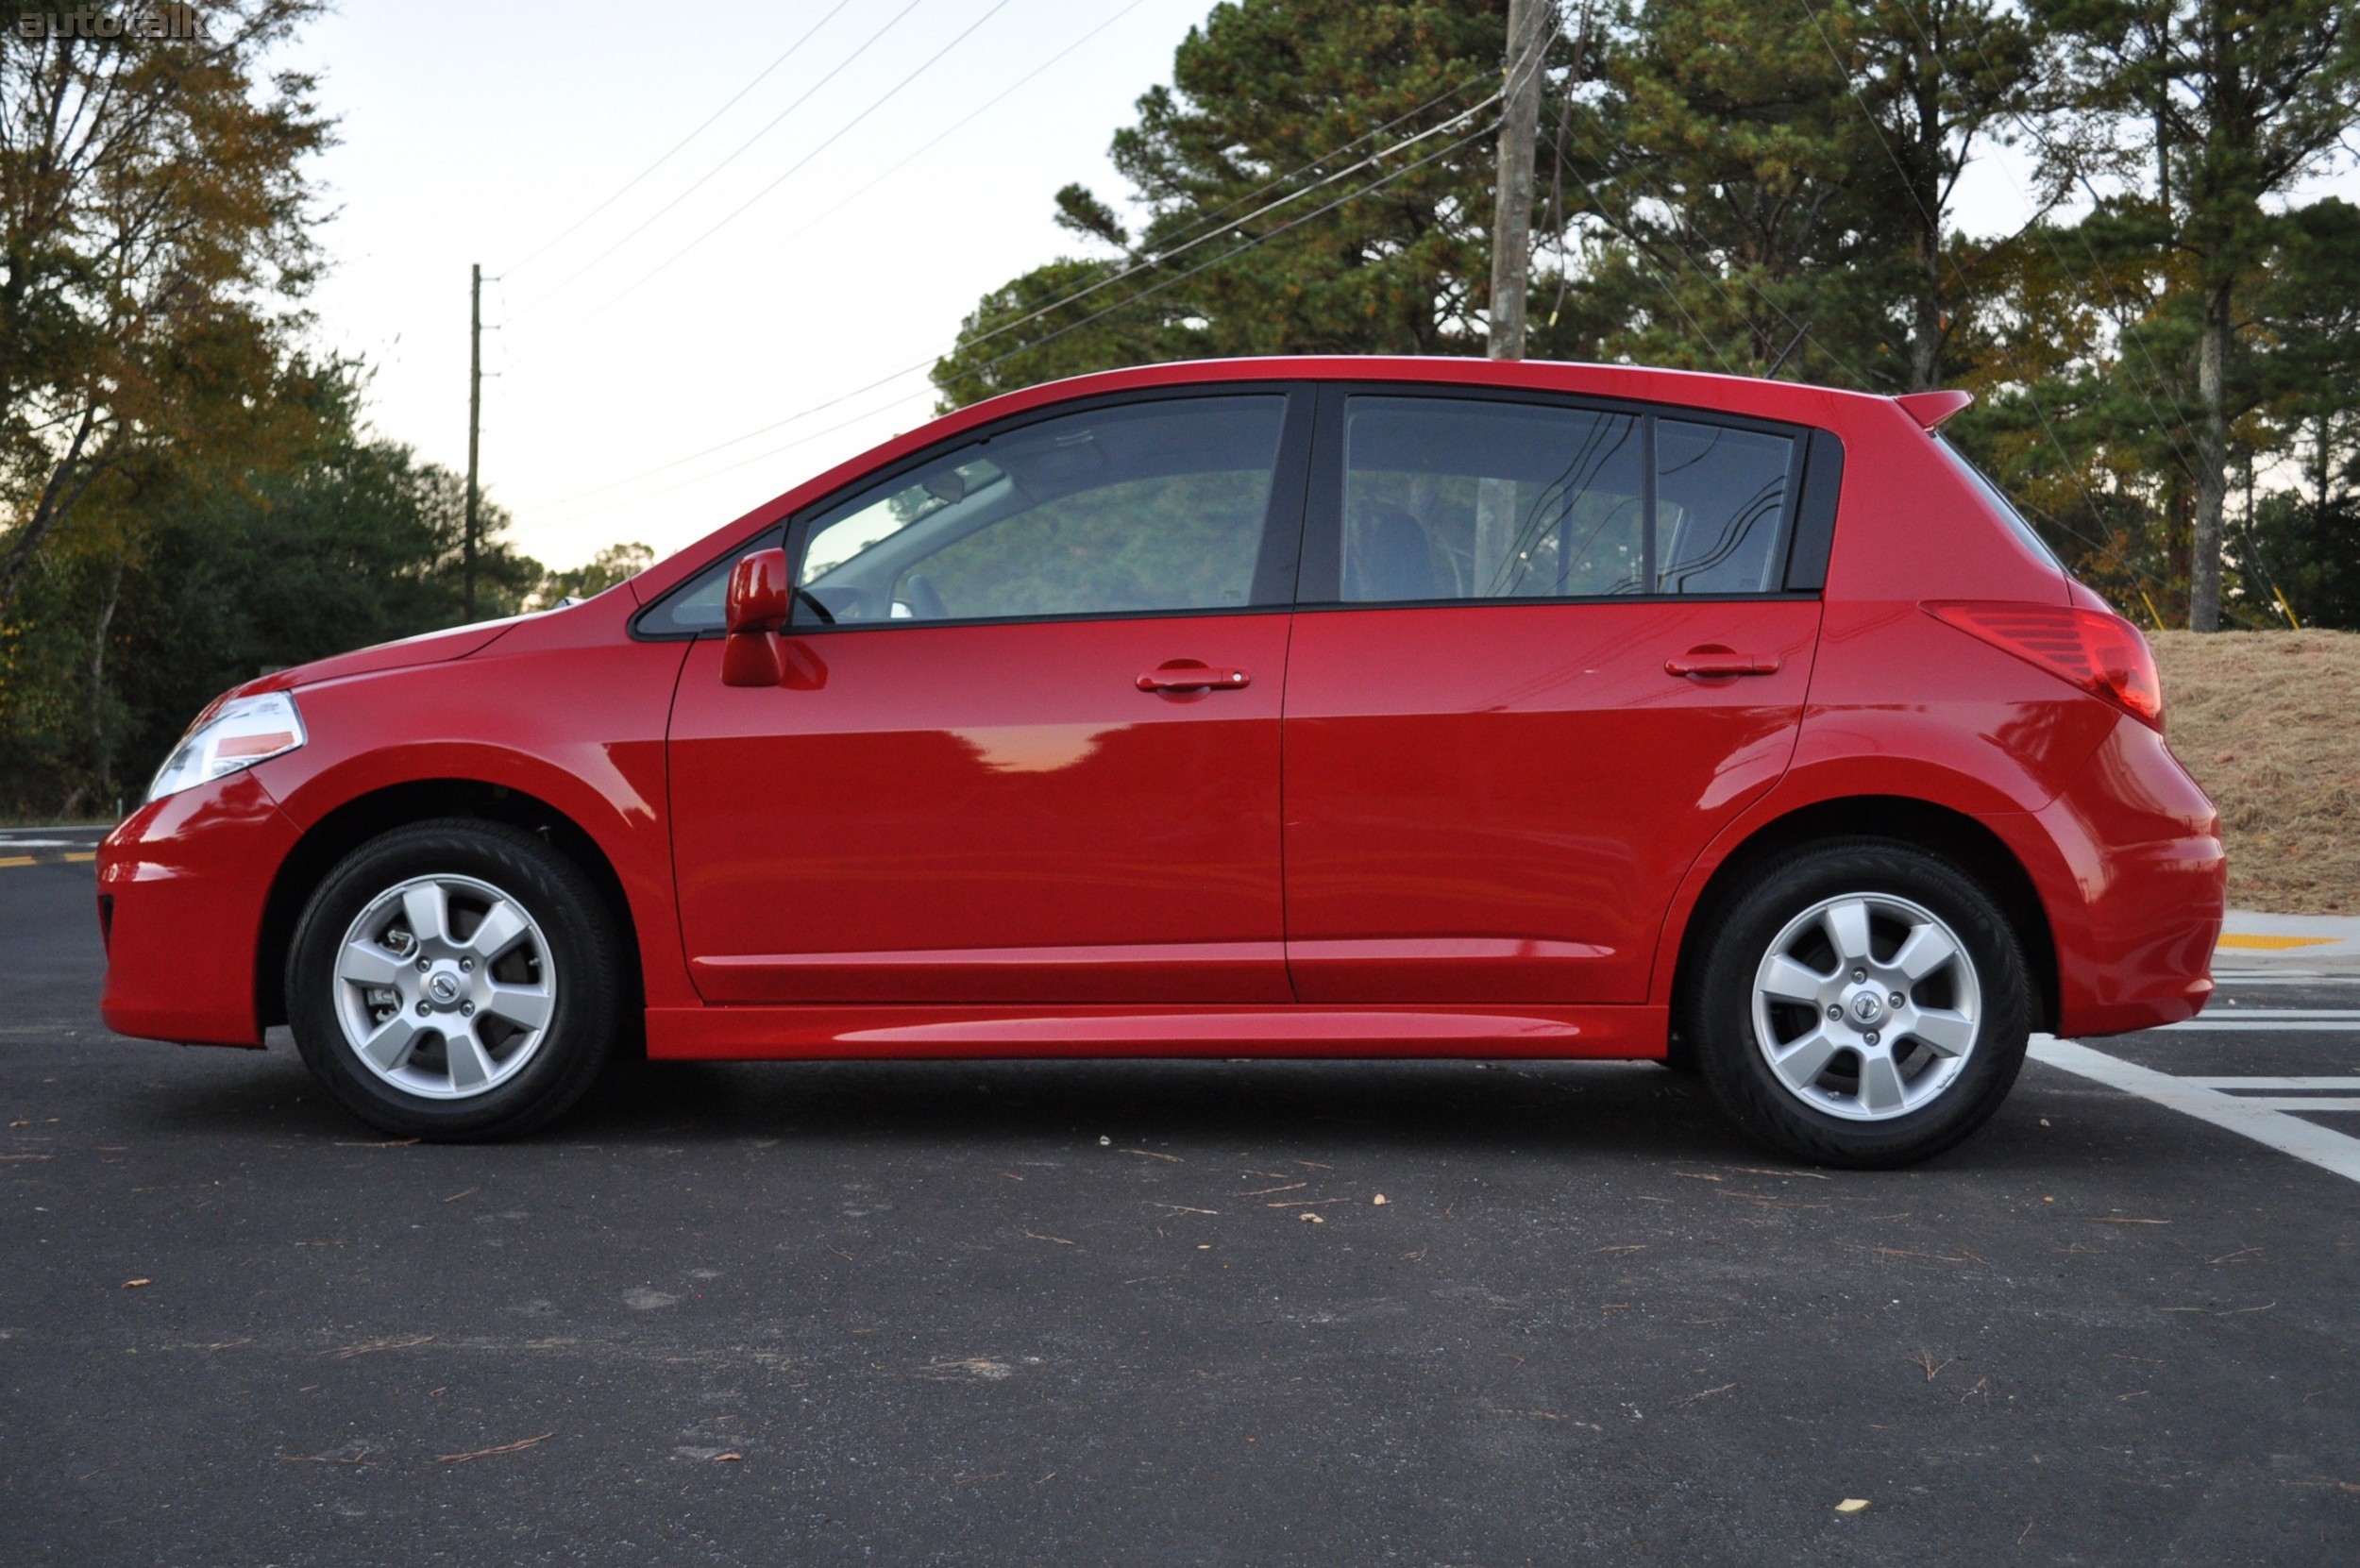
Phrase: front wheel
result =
(1861, 1003)
(455, 980)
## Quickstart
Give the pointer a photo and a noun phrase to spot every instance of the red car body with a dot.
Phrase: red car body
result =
(1463, 830)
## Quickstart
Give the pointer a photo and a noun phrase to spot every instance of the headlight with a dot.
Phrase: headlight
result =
(246, 731)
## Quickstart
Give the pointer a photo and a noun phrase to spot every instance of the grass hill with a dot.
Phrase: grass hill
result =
(2269, 724)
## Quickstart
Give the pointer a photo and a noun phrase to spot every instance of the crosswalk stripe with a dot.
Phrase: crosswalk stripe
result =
(2306, 1141)
(2275, 1083)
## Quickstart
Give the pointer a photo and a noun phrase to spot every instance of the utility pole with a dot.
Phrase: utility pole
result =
(1512, 211)
(475, 416)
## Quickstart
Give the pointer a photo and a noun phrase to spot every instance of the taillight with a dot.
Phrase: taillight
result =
(2103, 654)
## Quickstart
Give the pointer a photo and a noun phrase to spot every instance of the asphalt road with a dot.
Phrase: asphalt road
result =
(1075, 1314)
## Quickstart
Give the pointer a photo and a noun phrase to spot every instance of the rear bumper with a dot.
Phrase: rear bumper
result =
(2135, 884)
(185, 879)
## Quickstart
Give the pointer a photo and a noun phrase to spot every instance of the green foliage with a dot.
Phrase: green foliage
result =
(1262, 88)
(2308, 552)
(168, 587)
(1724, 183)
(154, 232)
(611, 565)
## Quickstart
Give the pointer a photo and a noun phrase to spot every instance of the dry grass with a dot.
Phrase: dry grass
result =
(2269, 724)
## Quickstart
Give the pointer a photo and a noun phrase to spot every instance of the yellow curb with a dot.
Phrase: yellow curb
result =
(76, 859)
(2272, 944)
(16, 860)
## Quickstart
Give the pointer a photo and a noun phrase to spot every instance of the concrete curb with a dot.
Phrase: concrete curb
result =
(2252, 938)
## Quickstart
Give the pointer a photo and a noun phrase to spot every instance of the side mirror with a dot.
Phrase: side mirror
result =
(757, 598)
(755, 611)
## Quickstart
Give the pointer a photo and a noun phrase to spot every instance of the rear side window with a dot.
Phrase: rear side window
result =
(1466, 498)
(1720, 498)
(1134, 509)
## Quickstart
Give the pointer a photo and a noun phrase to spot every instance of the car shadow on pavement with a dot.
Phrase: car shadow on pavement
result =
(1594, 1107)
(1604, 1109)
(1436, 1105)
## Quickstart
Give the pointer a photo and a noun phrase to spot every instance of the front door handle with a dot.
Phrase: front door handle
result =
(1714, 660)
(1188, 675)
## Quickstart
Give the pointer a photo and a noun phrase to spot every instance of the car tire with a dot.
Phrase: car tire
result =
(1861, 1003)
(456, 981)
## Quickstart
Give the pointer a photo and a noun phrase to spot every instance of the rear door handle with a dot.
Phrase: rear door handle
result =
(1712, 661)
(1191, 676)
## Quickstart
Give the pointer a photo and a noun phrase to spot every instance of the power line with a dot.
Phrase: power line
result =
(1666, 273)
(1059, 303)
(643, 225)
(1226, 256)
(1162, 257)
(971, 115)
(1026, 347)
(1300, 170)
(764, 456)
(834, 137)
(2030, 396)
(632, 183)
(961, 123)
(2098, 270)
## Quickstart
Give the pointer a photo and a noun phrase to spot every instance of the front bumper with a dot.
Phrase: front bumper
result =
(182, 885)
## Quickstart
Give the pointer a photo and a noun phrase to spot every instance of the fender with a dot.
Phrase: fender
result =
(1831, 778)
(473, 725)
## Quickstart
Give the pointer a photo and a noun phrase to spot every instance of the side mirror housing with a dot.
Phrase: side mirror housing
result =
(757, 596)
(753, 612)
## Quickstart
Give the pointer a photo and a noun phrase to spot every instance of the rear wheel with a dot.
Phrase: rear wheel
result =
(455, 980)
(1861, 1003)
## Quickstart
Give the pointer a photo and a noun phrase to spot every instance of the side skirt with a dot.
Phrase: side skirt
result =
(796, 1033)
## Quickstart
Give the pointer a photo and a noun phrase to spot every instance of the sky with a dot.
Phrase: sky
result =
(721, 244)
(759, 272)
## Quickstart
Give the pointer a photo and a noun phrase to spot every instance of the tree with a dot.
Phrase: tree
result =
(176, 578)
(602, 571)
(152, 231)
(2224, 107)
(2302, 542)
(1938, 78)
(1726, 170)
(1313, 181)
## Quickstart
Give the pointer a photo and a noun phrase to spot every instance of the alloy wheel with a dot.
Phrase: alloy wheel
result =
(1866, 1006)
(444, 986)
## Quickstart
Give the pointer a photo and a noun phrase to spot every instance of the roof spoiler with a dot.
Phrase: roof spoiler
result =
(1929, 409)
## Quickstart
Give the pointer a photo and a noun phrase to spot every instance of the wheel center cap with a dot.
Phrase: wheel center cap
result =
(442, 988)
(1867, 1008)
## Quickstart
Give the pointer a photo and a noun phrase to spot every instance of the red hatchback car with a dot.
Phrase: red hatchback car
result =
(1314, 707)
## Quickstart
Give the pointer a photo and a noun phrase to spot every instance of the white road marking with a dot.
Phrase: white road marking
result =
(2306, 1141)
(2349, 1015)
(2300, 1102)
(2283, 1021)
(2274, 1083)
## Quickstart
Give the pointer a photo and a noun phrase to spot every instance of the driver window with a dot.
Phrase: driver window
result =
(1138, 508)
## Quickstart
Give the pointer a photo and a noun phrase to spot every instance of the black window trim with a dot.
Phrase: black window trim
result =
(1812, 537)
(1274, 571)
(1805, 524)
